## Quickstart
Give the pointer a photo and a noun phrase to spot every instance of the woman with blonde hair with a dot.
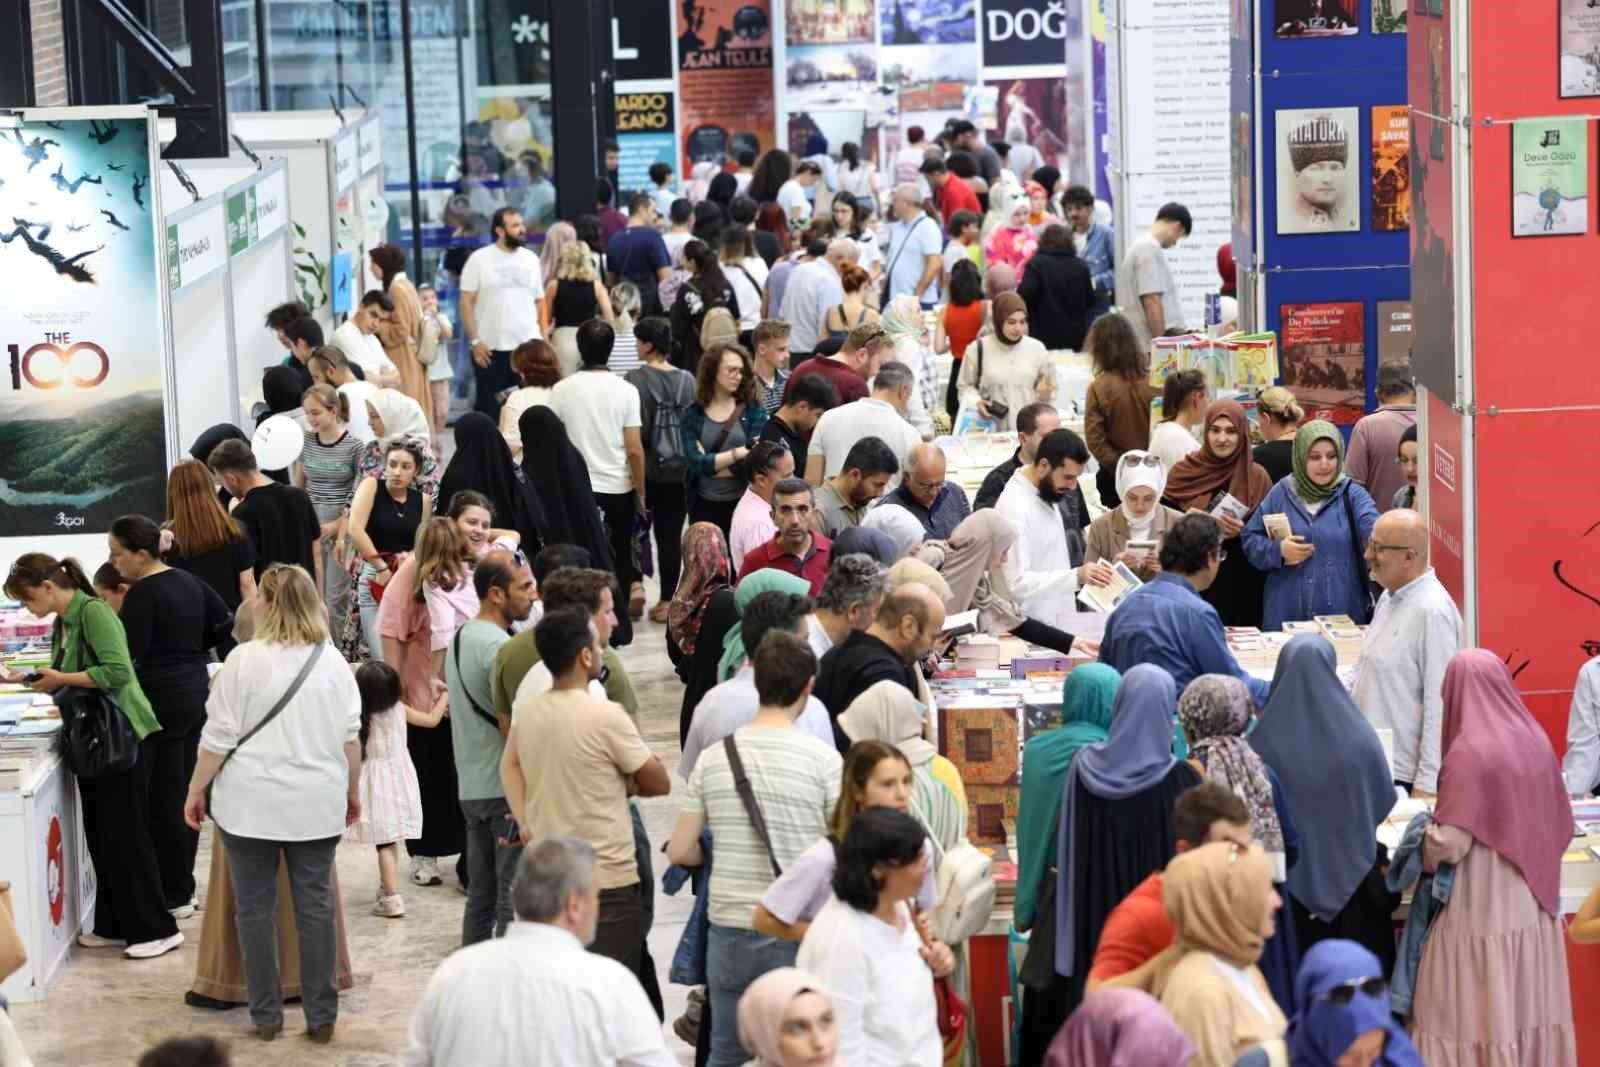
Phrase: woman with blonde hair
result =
(281, 754)
(206, 541)
(556, 239)
(573, 295)
(328, 470)
(1278, 416)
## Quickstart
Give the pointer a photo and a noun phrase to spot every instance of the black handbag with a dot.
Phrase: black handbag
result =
(96, 739)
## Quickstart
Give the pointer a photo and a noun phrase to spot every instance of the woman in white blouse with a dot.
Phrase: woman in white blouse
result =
(284, 717)
(865, 947)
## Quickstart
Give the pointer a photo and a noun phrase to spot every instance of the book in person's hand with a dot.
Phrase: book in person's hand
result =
(1107, 597)
(1142, 550)
(1231, 506)
(1277, 525)
(960, 624)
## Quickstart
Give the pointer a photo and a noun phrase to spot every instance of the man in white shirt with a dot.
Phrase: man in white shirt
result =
(357, 338)
(912, 256)
(794, 779)
(1415, 632)
(501, 287)
(602, 416)
(1146, 288)
(727, 707)
(813, 288)
(793, 195)
(537, 995)
(1581, 765)
(881, 415)
(848, 601)
(768, 463)
(1039, 566)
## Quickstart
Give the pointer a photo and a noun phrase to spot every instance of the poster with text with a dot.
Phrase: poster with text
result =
(645, 136)
(725, 78)
(829, 22)
(1315, 18)
(1023, 33)
(829, 75)
(82, 422)
(1318, 153)
(1388, 16)
(1580, 48)
(1324, 355)
(928, 21)
(1391, 167)
(1034, 111)
(1394, 331)
(1549, 177)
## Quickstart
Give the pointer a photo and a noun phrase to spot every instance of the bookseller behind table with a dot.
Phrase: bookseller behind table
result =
(42, 851)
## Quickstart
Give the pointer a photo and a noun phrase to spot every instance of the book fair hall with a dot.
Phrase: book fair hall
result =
(799, 533)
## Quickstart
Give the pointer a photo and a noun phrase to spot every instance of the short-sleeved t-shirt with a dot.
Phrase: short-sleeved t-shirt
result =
(636, 254)
(220, 568)
(575, 753)
(1143, 272)
(920, 238)
(282, 526)
(1135, 931)
(795, 779)
(509, 287)
(840, 428)
(596, 407)
(477, 741)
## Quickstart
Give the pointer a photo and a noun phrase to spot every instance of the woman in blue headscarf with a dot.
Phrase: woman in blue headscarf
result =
(1343, 993)
(1115, 830)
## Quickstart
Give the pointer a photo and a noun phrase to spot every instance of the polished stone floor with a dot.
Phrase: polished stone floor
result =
(104, 1010)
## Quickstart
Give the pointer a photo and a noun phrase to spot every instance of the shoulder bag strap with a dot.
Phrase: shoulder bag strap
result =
(727, 430)
(901, 250)
(747, 795)
(455, 652)
(1355, 547)
(283, 702)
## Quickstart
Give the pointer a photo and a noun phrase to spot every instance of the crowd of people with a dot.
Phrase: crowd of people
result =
(417, 639)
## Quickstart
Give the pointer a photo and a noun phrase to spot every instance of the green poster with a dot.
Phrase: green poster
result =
(1549, 177)
(238, 226)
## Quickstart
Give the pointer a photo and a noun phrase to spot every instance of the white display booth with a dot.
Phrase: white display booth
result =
(229, 262)
(324, 159)
(52, 880)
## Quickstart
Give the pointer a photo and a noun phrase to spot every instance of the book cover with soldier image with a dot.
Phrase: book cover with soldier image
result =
(1391, 167)
(1316, 168)
(1324, 354)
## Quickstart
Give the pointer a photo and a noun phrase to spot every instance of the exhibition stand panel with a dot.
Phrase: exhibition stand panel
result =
(44, 857)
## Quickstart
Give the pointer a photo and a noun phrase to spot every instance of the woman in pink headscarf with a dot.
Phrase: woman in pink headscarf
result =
(1013, 242)
(1492, 986)
(786, 1020)
(1039, 213)
(1119, 1028)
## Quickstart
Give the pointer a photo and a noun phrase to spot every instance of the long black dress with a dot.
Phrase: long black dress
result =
(1117, 845)
(1238, 592)
(699, 671)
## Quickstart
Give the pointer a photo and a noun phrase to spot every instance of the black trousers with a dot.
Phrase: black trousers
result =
(171, 757)
(444, 831)
(717, 512)
(490, 381)
(952, 398)
(668, 506)
(129, 903)
(618, 510)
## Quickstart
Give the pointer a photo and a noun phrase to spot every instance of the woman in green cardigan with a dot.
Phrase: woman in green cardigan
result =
(89, 649)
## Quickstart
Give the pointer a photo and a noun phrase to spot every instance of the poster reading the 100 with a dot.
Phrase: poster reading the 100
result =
(82, 438)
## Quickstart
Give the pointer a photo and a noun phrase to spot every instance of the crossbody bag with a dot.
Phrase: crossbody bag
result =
(283, 702)
(747, 795)
(888, 275)
(455, 652)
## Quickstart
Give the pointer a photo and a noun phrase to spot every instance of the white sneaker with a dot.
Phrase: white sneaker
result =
(390, 907)
(185, 910)
(92, 940)
(149, 950)
(424, 871)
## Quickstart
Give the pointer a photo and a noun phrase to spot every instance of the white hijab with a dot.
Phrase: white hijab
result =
(1133, 478)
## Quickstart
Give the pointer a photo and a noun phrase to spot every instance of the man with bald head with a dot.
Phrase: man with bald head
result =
(1415, 632)
(813, 288)
(937, 504)
(907, 624)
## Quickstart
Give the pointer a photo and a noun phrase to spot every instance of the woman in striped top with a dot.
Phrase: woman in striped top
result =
(327, 472)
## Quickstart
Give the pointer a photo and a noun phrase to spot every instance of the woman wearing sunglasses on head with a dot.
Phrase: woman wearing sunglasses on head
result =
(1141, 517)
(1343, 1018)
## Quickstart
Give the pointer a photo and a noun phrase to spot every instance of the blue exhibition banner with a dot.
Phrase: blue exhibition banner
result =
(638, 152)
(339, 282)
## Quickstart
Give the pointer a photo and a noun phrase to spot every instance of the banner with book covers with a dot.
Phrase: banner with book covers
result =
(725, 78)
(1391, 167)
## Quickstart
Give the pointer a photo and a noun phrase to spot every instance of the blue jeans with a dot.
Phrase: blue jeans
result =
(368, 610)
(734, 958)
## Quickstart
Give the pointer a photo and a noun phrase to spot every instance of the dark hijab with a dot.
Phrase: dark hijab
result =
(282, 389)
(560, 480)
(875, 543)
(210, 439)
(482, 462)
(723, 188)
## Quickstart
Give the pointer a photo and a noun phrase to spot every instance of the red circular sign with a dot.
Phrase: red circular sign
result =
(55, 871)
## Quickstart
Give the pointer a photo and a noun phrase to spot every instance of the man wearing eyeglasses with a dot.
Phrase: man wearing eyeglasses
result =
(937, 504)
(1415, 632)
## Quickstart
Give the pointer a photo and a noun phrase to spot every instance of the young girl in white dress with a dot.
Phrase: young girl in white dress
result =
(391, 804)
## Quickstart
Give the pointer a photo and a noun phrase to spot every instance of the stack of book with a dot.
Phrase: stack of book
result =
(1250, 647)
(983, 739)
(1343, 632)
(978, 652)
(1237, 361)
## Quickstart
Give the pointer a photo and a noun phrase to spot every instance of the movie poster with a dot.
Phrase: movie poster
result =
(1318, 153)
(1388, 16)
(1580, 48)
(1394, 331)
(1549, 177)
(828, 75)
(928, 22)
(1315, 18)
(1034, 111)
(82, 424)
(1391, 167)
(1323, 351)
(645, 136)
(829, 22)
(725, 78)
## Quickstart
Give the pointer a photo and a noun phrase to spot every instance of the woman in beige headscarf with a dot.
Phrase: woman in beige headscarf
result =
(971, 563)
(888, 712)
(786, 1019)
(1221, 901)
(1006, 368)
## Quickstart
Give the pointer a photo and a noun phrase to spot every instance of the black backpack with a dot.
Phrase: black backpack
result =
(669, 398)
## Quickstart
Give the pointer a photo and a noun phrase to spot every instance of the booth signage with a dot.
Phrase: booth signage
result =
(1020, 33)
(644, 136)
(346, 158)
(272, 204)
(196, 246)
(256, 213)
(242, 232)
(369, 137)
(82, 416)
